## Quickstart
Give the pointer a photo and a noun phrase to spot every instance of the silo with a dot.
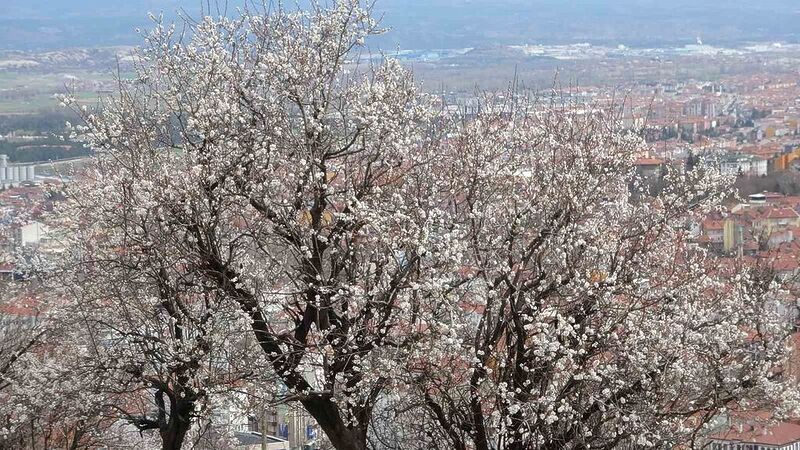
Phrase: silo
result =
(4, 173)
(30, 173)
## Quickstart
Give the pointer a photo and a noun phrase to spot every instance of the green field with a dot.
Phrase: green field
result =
(24, 92)
(42, 102)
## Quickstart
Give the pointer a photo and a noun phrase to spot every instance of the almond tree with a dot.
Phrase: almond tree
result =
(148, 339)
(251, 165)
(54, 399)
(588, 317)
(162, 343)
(20, 330)
(50, 393)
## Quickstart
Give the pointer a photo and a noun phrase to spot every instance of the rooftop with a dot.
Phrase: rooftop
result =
(782, 433)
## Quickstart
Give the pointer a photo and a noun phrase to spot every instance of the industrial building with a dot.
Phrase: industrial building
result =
(15, 174)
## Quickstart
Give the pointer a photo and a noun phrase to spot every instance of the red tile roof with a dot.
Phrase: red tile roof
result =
(785, 263)
(648, 162)
(711, 224)
(781, 213)
(779, 434)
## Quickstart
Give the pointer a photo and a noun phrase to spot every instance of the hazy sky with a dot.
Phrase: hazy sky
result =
(441, 23)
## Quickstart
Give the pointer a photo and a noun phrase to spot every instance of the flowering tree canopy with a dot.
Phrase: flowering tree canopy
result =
(586, 318)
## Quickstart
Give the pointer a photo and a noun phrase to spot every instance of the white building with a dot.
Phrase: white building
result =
(31, 234)
(749, 165)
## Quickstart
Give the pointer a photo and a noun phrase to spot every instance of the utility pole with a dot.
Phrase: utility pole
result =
(263, 427)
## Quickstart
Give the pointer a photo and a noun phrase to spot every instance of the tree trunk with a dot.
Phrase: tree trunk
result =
(173, 435)
(172, 438)
(326, 413)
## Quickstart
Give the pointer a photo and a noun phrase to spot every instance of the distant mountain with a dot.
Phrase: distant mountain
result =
(65, 10)
(430, 24)
(473, 23)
